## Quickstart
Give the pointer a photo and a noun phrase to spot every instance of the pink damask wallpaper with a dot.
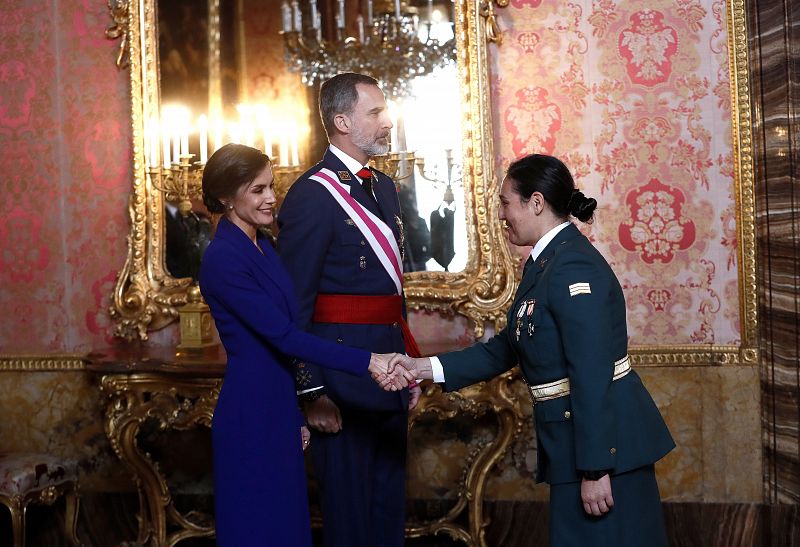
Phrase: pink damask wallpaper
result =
(635, 98)
(64, 173)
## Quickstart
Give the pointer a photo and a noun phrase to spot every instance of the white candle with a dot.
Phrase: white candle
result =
(297, 17)
(360, 24)
(314, 22)
(165, 146)
(184, 140)
(267, 143)
(284, 150)
(286, 15)
(369, 12)
(203, 126)
(341, 13)
(430, 10)
(397, 8)
(176, 143)
(295, 154)
(217, 133)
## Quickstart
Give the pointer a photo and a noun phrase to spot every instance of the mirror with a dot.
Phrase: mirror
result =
(231, 68)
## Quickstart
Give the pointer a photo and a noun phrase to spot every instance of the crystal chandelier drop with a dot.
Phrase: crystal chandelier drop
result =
(393, 44)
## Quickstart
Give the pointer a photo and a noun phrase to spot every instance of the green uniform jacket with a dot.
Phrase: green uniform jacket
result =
(568, 320)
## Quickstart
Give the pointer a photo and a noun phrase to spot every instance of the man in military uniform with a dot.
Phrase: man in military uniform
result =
(339, 239)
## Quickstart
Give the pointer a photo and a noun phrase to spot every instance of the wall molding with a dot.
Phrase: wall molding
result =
(36, 362)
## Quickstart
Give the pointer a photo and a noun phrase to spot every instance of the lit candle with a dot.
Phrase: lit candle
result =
(341, 14)
(284, 150)
(314, 22)
(218, 130)
(397, 9)
(297, 17)
(202, 124)
(360, 24)
(286, 15)
(430, 10)
(176, 143)
(295, 154)
(165, 146)
(369, 12)
(184, 139)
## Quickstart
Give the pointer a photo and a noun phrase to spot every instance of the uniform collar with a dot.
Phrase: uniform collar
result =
(351, 163)
(546, 239)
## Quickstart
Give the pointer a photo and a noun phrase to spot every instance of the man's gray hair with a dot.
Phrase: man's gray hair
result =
(338, 95)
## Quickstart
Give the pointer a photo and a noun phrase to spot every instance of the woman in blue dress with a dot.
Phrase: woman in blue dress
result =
(260, 493)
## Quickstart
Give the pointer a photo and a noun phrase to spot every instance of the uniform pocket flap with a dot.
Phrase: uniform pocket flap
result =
(554, 410)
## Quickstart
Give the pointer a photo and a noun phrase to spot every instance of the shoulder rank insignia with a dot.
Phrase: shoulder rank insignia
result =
(579, 288)
(344, 175)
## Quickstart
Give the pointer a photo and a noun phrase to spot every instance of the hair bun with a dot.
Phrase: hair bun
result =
(213, 204)
(581, 207)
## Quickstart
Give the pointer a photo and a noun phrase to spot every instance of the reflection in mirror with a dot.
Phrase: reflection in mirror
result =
(213, 90)
(186, 238)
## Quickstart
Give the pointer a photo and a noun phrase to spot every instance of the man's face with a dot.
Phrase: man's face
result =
(370, 121)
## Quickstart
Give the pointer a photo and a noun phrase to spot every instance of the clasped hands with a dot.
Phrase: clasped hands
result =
(395, 371)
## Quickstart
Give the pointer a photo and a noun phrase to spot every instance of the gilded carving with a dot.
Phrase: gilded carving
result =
(180, 404)
(146, 297)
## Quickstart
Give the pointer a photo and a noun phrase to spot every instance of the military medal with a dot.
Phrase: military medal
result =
(529, 313)
(520, 314)
(402, 241)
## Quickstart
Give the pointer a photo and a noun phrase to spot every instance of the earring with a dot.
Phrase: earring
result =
(228, 206)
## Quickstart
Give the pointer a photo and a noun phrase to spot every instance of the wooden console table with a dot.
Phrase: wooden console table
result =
(151, 383)
(179, 393)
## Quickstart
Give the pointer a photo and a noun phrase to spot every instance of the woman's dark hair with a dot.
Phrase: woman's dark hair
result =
(551, 178)
(228, 169)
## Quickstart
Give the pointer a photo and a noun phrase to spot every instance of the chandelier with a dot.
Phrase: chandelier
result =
(393, 44)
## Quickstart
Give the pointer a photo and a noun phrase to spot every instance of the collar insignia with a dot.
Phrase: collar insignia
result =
(344, 175)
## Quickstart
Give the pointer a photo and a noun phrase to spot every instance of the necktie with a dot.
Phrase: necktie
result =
(527, 265)
(365, 174)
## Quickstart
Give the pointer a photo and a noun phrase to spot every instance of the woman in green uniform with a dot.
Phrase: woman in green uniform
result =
(598, 431)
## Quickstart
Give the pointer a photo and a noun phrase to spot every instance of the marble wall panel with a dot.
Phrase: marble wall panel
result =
(774, 31)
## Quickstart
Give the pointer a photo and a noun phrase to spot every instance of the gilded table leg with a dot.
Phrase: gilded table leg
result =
(17, 508)
(71, 507)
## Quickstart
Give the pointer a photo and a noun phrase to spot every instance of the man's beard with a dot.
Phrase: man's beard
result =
(368, 145)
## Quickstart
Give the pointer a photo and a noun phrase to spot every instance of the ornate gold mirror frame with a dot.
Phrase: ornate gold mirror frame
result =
(147, 297)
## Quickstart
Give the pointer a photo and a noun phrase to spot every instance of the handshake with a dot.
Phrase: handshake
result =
(395, 371)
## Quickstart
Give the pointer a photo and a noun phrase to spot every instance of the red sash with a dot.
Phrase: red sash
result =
(365, 310)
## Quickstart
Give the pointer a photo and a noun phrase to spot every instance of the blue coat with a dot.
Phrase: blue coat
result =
(259, 476)
(325, 253)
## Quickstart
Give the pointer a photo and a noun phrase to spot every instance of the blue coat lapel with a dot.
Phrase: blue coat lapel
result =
(267, 263)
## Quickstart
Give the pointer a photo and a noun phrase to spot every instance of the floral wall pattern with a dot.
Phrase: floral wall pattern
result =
(65, 173)
(635, 98)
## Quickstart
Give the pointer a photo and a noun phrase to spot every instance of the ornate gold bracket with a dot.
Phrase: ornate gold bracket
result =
(493, 32)
(493, 397)
(119, 13)
(173, 403)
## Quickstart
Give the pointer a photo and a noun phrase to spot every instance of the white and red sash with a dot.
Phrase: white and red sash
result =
(379, 236)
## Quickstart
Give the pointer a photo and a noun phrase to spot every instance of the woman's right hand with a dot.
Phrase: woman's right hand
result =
(396, 379)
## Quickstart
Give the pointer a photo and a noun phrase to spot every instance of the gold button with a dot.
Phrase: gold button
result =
(363, 243)
(567, 414)
(613, 450)
(395, 324)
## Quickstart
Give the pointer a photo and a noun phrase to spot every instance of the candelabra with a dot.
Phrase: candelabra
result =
(389, 45)
(398, 165)
(452, 175)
